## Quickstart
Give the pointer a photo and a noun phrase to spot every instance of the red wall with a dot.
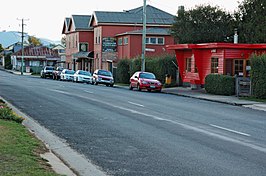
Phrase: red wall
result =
(88, 38)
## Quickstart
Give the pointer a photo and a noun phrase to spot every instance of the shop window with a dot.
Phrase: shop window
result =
(214, 65)
(188, 64)
(161, 41)
(153, 40)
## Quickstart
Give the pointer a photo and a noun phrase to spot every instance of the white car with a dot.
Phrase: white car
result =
(103, 77)
(67, 75)
(83, 76)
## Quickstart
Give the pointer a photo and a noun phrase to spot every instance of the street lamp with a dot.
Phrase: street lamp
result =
(143, 37)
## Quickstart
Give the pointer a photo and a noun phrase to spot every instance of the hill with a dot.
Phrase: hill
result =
(8, 38)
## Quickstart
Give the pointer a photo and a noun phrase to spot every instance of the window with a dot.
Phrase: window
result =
(120, 41)
(155, 40)
(125, 40)
(239, 67)
(188, 65)
(161, 41)
(214, 65)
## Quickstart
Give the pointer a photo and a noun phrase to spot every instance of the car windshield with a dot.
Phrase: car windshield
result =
(85, 73)
(147, 75)
(60, 68)
(71, 72)
(49, 68)
(104, 73)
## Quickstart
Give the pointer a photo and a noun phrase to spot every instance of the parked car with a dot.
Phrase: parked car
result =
(47, 71)
(67, 75)
(145, 80)
(103, 77)
(57, 72)
(83, 76)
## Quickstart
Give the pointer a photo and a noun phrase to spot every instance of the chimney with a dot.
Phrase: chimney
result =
(235, 36)
(181, 10)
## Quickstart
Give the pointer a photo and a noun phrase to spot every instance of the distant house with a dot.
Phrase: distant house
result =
(110, 36)
(62, 54)
(35, 57)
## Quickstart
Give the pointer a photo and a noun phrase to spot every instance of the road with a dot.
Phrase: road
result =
(136, 133)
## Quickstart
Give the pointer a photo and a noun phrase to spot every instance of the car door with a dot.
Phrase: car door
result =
(134, 80)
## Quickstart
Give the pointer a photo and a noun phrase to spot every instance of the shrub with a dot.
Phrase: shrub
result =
(6, 113)
(159, 65)
(220, 84)
(123, 68)
(258, 75)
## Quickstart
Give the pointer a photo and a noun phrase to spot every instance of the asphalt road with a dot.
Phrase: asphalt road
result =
(140, 133)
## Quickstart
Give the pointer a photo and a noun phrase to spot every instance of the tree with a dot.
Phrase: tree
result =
(203, 24)
(63, 40)
(252, 17)
(34, 41)
(1, 48)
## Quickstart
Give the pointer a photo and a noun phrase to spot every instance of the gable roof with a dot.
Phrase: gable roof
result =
(154, 16)
(79, 22)
(65, 26)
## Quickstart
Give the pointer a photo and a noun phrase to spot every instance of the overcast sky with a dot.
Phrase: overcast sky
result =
(46, 17)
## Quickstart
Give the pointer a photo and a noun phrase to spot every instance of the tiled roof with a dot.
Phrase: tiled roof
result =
(134, 16)
(81, 21)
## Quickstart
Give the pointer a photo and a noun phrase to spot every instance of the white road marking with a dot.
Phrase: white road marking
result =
(185, 126)
(227, 129)
(88, 91)
(135, 104)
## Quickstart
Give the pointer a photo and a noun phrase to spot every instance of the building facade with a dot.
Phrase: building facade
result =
(196, 61)
(111, 36)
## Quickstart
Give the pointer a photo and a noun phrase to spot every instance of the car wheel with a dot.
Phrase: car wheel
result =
(111, 85)
(149, 90)
(130, 87)
(138, 87)
(96, 83)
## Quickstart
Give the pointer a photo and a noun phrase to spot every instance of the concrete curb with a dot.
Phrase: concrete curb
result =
(75, 162)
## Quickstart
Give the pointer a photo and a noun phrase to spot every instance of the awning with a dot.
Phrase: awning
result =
(85, 55)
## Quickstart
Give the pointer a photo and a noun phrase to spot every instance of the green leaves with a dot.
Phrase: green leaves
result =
(203, 24)
(258, 75)
(220, 84)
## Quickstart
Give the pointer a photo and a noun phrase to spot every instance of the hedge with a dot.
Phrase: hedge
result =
(220, 84)
(159, 65)
(258, 75)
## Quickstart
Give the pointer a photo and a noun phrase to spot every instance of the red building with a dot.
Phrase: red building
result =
(115, 35)
(196, 61)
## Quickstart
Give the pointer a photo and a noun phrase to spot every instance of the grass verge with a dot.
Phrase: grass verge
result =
(20, 150)
(253, 99)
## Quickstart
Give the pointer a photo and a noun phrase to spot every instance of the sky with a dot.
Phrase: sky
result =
(45, 19)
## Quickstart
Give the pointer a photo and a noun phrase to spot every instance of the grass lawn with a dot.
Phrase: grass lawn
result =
(20, 152)
(253, 99)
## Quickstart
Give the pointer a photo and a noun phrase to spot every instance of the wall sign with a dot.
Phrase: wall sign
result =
(109, 44)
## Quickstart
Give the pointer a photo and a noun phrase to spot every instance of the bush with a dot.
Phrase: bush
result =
(6, 113)
(123, 68)
(258, 75)
(159, 65)
(220, 84)
(8, 64)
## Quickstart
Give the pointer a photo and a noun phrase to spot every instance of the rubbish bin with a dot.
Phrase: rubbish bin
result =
(168, 79)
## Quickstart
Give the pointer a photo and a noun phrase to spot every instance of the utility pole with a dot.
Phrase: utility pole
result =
(143, 37)
(22, 40)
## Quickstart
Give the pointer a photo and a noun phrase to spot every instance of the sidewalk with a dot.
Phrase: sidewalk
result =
(201, 94)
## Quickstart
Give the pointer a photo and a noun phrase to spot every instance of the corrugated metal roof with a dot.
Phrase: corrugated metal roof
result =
(134, 16)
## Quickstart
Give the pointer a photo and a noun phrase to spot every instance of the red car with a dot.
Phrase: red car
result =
(145, 80)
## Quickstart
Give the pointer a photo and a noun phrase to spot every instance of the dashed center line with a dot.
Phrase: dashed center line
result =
(227, 129)
(88, 91)
(135, 104)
